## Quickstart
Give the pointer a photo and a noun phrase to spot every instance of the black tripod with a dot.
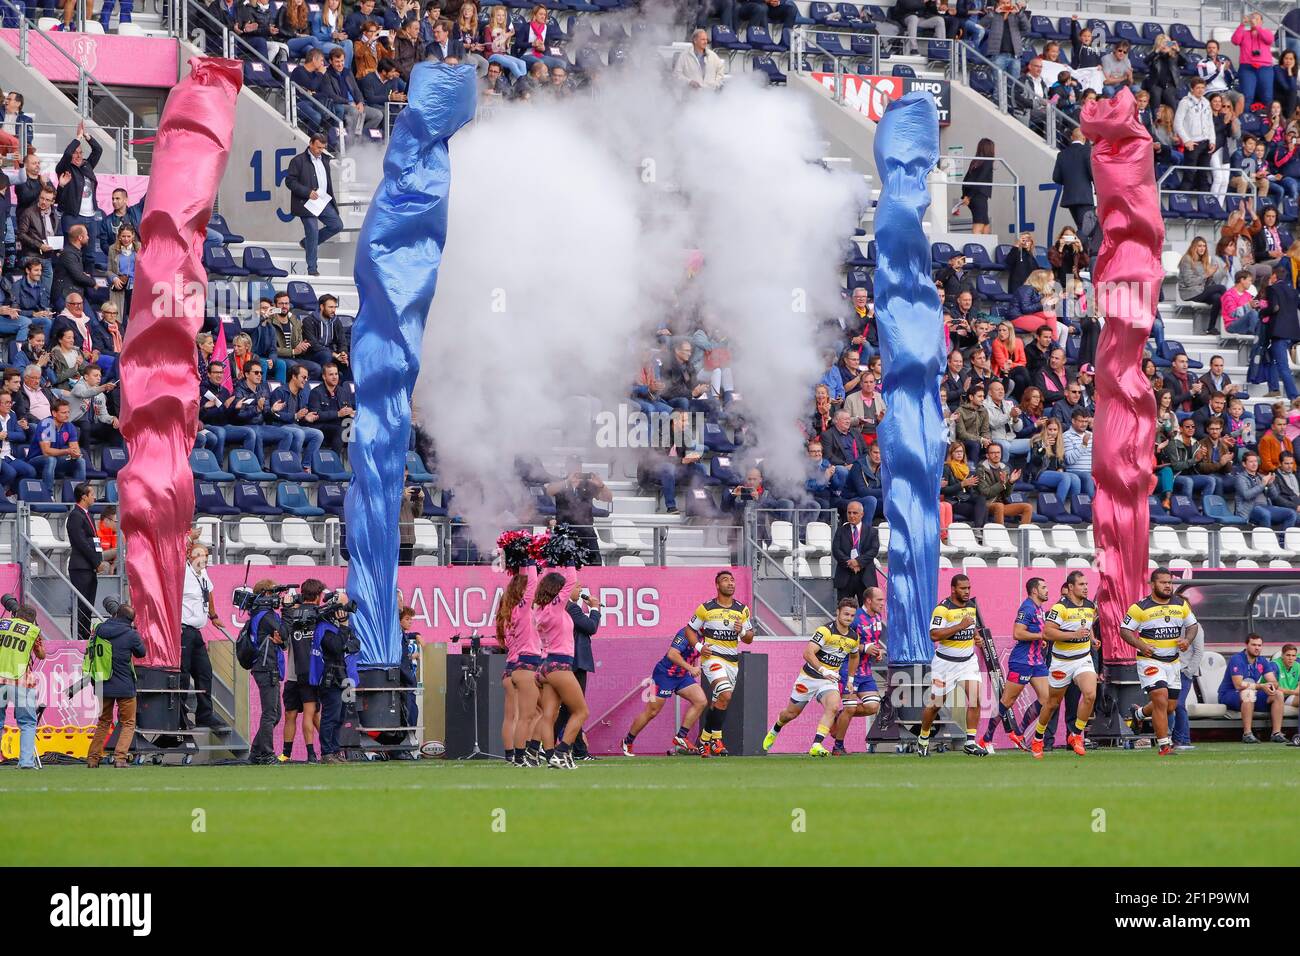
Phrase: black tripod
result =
(470, 672)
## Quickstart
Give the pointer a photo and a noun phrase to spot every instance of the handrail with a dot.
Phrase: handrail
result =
(292, 91)
(24, 549)
(1014, 185)
(1056, 122)
(119, 134)
(84, 77)
(1160, 183)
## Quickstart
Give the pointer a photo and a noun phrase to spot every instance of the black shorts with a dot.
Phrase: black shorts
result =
(297, 693)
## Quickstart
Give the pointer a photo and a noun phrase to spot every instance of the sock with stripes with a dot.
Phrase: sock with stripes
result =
(1040, 730)
(1031, 715)
(683, 731)
(1080, 725)
(629, 738)
(995, 720)
(776, 727)
(822, 731)
(925, 733)
(970, 734)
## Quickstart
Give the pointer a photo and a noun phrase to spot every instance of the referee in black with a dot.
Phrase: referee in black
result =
(86, 561)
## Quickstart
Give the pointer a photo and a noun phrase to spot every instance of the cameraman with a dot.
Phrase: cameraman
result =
(119, 689)
(268, 671)
(198, 609)
(573, 496)
(333, 667)
(301, 695)
(20, 641)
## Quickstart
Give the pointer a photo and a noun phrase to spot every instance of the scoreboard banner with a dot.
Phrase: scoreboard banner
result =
(870, 95)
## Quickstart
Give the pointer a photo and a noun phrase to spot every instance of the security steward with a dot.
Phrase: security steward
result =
(20, 641)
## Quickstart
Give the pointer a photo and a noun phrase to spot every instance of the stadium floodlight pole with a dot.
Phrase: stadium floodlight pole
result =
(1127, 279)
(911, 343)
(160, 407)
(398, 253)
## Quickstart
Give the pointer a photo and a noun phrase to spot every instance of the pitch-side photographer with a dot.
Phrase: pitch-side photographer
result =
(268, 670)
(20, 642)
(118, 690)
(333, 669)
(198, 609)
(301, 695)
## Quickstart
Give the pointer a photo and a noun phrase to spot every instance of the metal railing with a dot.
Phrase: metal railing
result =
(1252, 194)
(86, 81)
(120, 136)
(207, 28)
(953, 180)
(1015, 98)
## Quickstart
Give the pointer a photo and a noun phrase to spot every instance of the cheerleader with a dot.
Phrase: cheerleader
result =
(559, 684)
(515, 632)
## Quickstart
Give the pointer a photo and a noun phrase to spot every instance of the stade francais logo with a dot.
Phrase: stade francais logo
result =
(76, 909)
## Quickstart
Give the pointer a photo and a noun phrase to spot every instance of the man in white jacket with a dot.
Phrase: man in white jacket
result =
(701, 68)
(1194, 126)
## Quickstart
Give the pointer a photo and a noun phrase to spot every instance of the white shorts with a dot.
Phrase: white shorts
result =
(1062, 673)
(945, 675)
(808, 689)
(719, 674)
(1153, 675)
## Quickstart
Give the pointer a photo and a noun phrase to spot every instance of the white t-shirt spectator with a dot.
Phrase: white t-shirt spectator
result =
(194, 599)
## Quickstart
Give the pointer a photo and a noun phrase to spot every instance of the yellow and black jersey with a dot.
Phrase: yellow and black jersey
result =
(833, 649)
(960, 646)
(720, 628)
(1160, 625)
(17, 639)
(1071, 617)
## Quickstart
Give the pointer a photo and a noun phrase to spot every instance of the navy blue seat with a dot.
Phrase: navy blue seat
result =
(1050, 507)
(724, 39)
(301, 295)
(871, 252)
(32, 491)
(981, 81)
(204, 465)
(830, 43)
(819, 11)
(858, 276)
(218, 261)
(217, 223)
(208, 500)
(1043, 28)
(1182, 508)
(1217, 509)
(257, 74)
(1263, 417)
(250, 500)
(1173, 347)
(990, 288)
(979, 258)
(114, 460)
(1100, 31)
(902, 69)
(941, 252)
(1138, 60)
(1158, 513)
(291, 499)
(68, 493)
(1290, 211)
(759, 39)
(416, 471)
(862, 44)
(1212, 208)
(1182, 206)
(767, 66)
(258, 262)
(288, 465)
(327, 466)
(110, 491)
(1081, 505)
(722, 468)
(330, 496)
(1182, 34)
(716, 440)
(849, 15)
(246, 466)
(1149, 33)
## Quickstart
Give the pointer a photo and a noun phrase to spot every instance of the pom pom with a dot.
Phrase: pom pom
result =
(561, 549)
(515, 548)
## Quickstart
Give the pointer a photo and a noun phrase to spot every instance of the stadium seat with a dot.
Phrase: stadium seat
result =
(1043, 28)
(962, 537)
(330, 496)
(862, 44)
(849, 15)
(1233, 544)
(973, 562)
(1185, 510)
(782, 538)
(32, 491)
(830, 43)
(767, 66)
(291, 499)
(1173, 347)
(1217, 508)
(208, 500)
(940, 253)
(1211, 208)
(990, 288)
(1291, 542)
(1264, 541)
(1149, 32)
(250, 500)
(979, 258)
(301, 295)
(724, 39)
(288, 465)
(300, 561)
(998, 539)
(1065, 538)
(1183, 206)
(217, 223)
(1158, 513)
(903, 70)
(7, 507)
(204, 465)
(1050, 507)
(759, 38)
(822, 13)
(1081, 505)
(426, 536)
(817, 539)
(246, 466)
(1182, 34)
(328, 466)
(113, 460)
(1165, 543)
(258, 262)
(218, 261)
(254, 535)
(44, 536)
(416, 472)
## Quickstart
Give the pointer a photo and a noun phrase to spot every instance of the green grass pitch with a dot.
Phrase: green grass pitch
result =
(1110, 808)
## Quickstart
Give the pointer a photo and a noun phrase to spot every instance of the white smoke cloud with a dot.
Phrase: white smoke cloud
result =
(569, 228)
